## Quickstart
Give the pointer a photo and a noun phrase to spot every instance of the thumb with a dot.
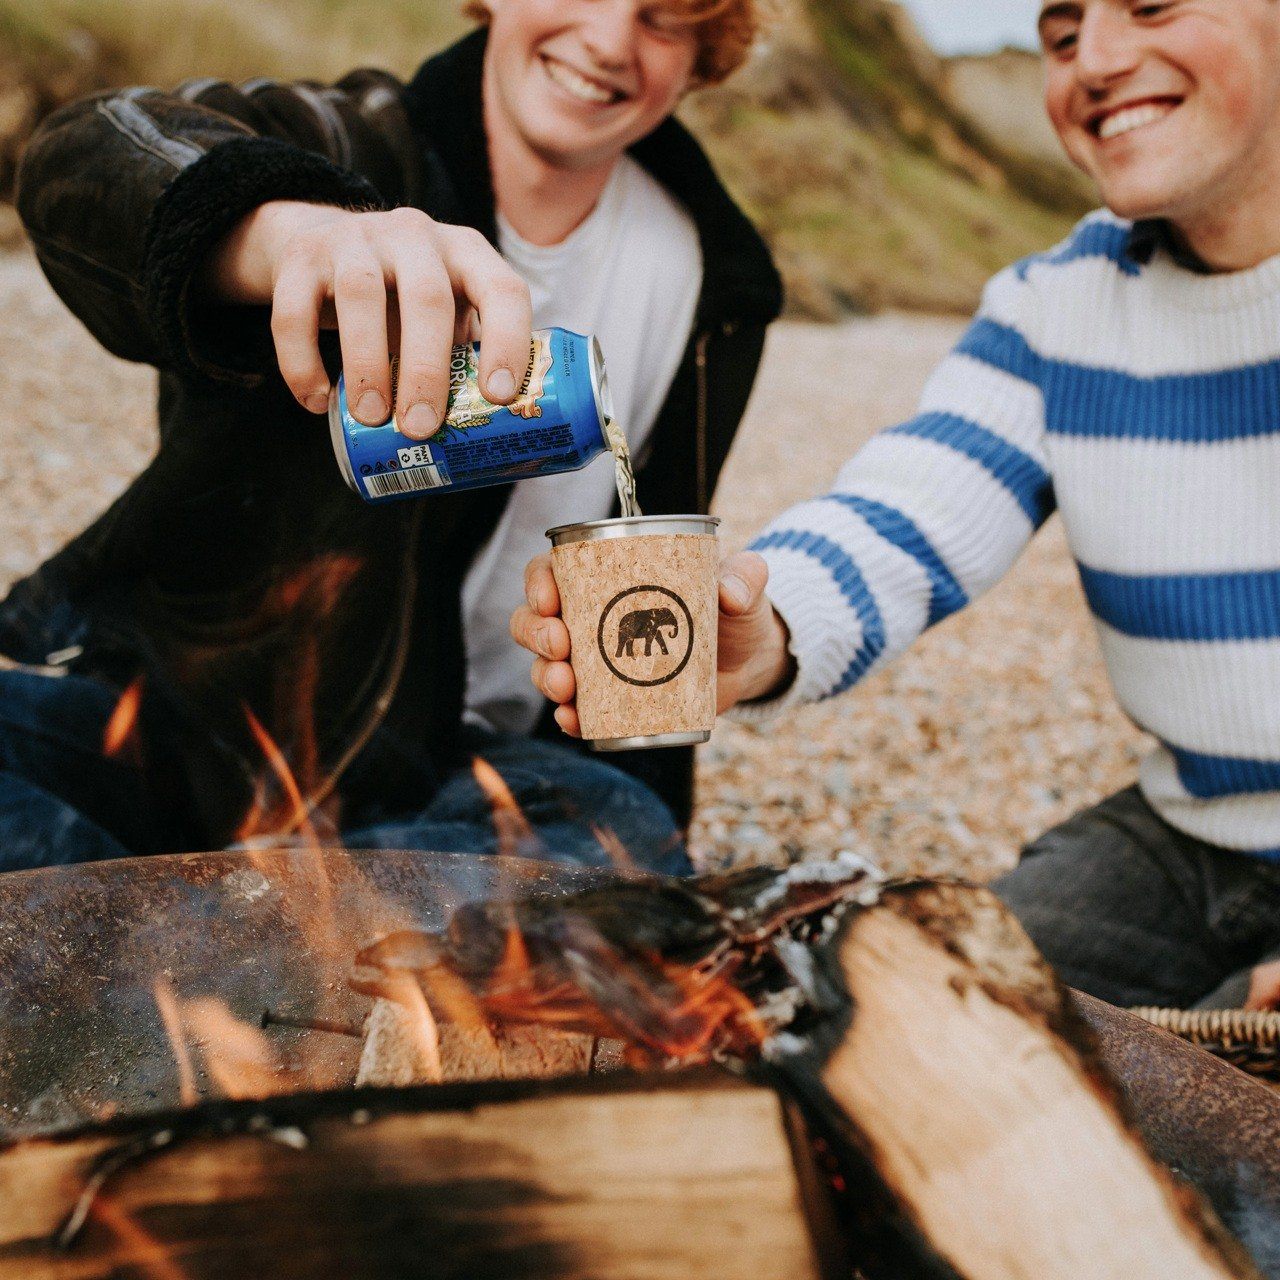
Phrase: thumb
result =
(743, 578)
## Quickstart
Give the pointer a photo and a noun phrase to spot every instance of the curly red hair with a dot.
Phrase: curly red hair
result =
(724, 31)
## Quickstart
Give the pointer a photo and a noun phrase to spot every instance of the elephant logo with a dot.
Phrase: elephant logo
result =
(645, 635)
(646, 625)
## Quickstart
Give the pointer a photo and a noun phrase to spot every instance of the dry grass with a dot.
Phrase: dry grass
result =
(862, 212)
(164, 41)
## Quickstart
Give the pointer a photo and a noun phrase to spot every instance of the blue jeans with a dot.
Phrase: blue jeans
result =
(1129, 910)
(62, 800)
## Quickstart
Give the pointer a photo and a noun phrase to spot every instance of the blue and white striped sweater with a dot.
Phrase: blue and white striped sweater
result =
(1143, 402)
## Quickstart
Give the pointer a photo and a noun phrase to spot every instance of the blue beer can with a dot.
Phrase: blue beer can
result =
(556, 423)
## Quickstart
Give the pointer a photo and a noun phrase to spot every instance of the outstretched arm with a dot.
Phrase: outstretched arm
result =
(921, 521)
(926, 517)
(174, 223)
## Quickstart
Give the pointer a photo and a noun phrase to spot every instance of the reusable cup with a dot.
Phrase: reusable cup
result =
(640, 598)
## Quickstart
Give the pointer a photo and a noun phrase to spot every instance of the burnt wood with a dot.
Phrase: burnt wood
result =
(667, 1178)
(967, 1098)
(971, 1121)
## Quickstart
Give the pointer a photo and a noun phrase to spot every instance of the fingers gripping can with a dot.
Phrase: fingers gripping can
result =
(556, 423)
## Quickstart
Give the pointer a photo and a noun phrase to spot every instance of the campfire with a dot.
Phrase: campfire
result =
(290, 1059)
(803, 1073)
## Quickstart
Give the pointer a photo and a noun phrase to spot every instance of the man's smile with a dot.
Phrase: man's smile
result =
(583, 87)
(1127, 117)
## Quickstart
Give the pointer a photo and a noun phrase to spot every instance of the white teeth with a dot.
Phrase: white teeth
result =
(1131, 118)
(578, 85)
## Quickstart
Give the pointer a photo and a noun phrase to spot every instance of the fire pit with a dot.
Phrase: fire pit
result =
(84, 950)
(893, 1084)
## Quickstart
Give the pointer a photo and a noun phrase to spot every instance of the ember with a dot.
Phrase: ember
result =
(123, 722)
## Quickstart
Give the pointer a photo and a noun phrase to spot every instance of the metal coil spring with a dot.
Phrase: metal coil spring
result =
(1246, 1038)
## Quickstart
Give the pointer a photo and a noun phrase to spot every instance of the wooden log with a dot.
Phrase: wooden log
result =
(979, 1132)
(963, 1086)
(662, 1178)
(399, 1051)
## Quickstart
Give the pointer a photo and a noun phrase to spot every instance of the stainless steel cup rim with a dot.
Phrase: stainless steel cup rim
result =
(632, 527)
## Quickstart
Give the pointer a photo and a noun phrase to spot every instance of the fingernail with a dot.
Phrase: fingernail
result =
(371, 409)
(420, 421)
(502, 386)
(736, 590)
(544, 642)
(317, 402)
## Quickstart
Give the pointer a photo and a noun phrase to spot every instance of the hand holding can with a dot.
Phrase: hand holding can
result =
(560, 420)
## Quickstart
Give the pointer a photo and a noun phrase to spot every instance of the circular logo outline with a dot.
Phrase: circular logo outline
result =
(604, 649)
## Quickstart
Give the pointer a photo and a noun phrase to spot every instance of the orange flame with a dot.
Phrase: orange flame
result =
(146, 1253)
(298, 816)
(123, 721)
(455, 1000)
(619, 856)
(171, 1016)
(420, 1025)
(494, 785)
(515, 834)
(665, 1010)
(238, 1057)
(712, 1006)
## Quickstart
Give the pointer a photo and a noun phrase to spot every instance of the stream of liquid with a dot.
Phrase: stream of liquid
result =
(623, 474)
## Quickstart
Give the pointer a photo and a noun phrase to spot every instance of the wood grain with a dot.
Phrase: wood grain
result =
(660, 1181)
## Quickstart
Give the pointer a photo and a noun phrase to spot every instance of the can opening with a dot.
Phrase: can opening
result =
(600, 381)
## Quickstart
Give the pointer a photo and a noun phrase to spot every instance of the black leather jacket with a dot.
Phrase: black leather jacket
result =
(238, 570)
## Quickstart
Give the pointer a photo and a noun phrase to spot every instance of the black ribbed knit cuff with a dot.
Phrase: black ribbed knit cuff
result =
(203, 338)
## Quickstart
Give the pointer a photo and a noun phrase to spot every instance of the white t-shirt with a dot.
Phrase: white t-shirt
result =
(631, 274)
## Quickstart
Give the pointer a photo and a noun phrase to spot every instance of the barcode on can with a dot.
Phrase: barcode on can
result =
(413, 480)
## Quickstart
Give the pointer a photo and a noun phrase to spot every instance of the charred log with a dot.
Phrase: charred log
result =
(964, 1085)
(958, 1094)
(664, 1179)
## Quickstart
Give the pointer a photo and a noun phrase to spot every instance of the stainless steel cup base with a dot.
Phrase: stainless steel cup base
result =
(657, 740)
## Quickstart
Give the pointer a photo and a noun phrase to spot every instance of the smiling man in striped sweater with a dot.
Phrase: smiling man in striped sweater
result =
(1131, 380)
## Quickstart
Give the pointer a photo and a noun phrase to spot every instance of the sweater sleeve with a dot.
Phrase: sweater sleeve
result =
(924, 518)
(125, 194)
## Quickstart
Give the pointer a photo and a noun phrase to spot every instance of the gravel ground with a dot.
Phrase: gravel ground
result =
(998, 724)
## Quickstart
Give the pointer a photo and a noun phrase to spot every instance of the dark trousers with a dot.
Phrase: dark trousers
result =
(1134, 912)
(62, 800)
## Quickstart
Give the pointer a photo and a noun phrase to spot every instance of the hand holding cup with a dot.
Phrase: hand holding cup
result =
(753, 660)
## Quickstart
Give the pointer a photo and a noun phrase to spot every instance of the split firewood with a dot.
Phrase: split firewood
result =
(975, 1098)
(662, 1178)
(977, 1132)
